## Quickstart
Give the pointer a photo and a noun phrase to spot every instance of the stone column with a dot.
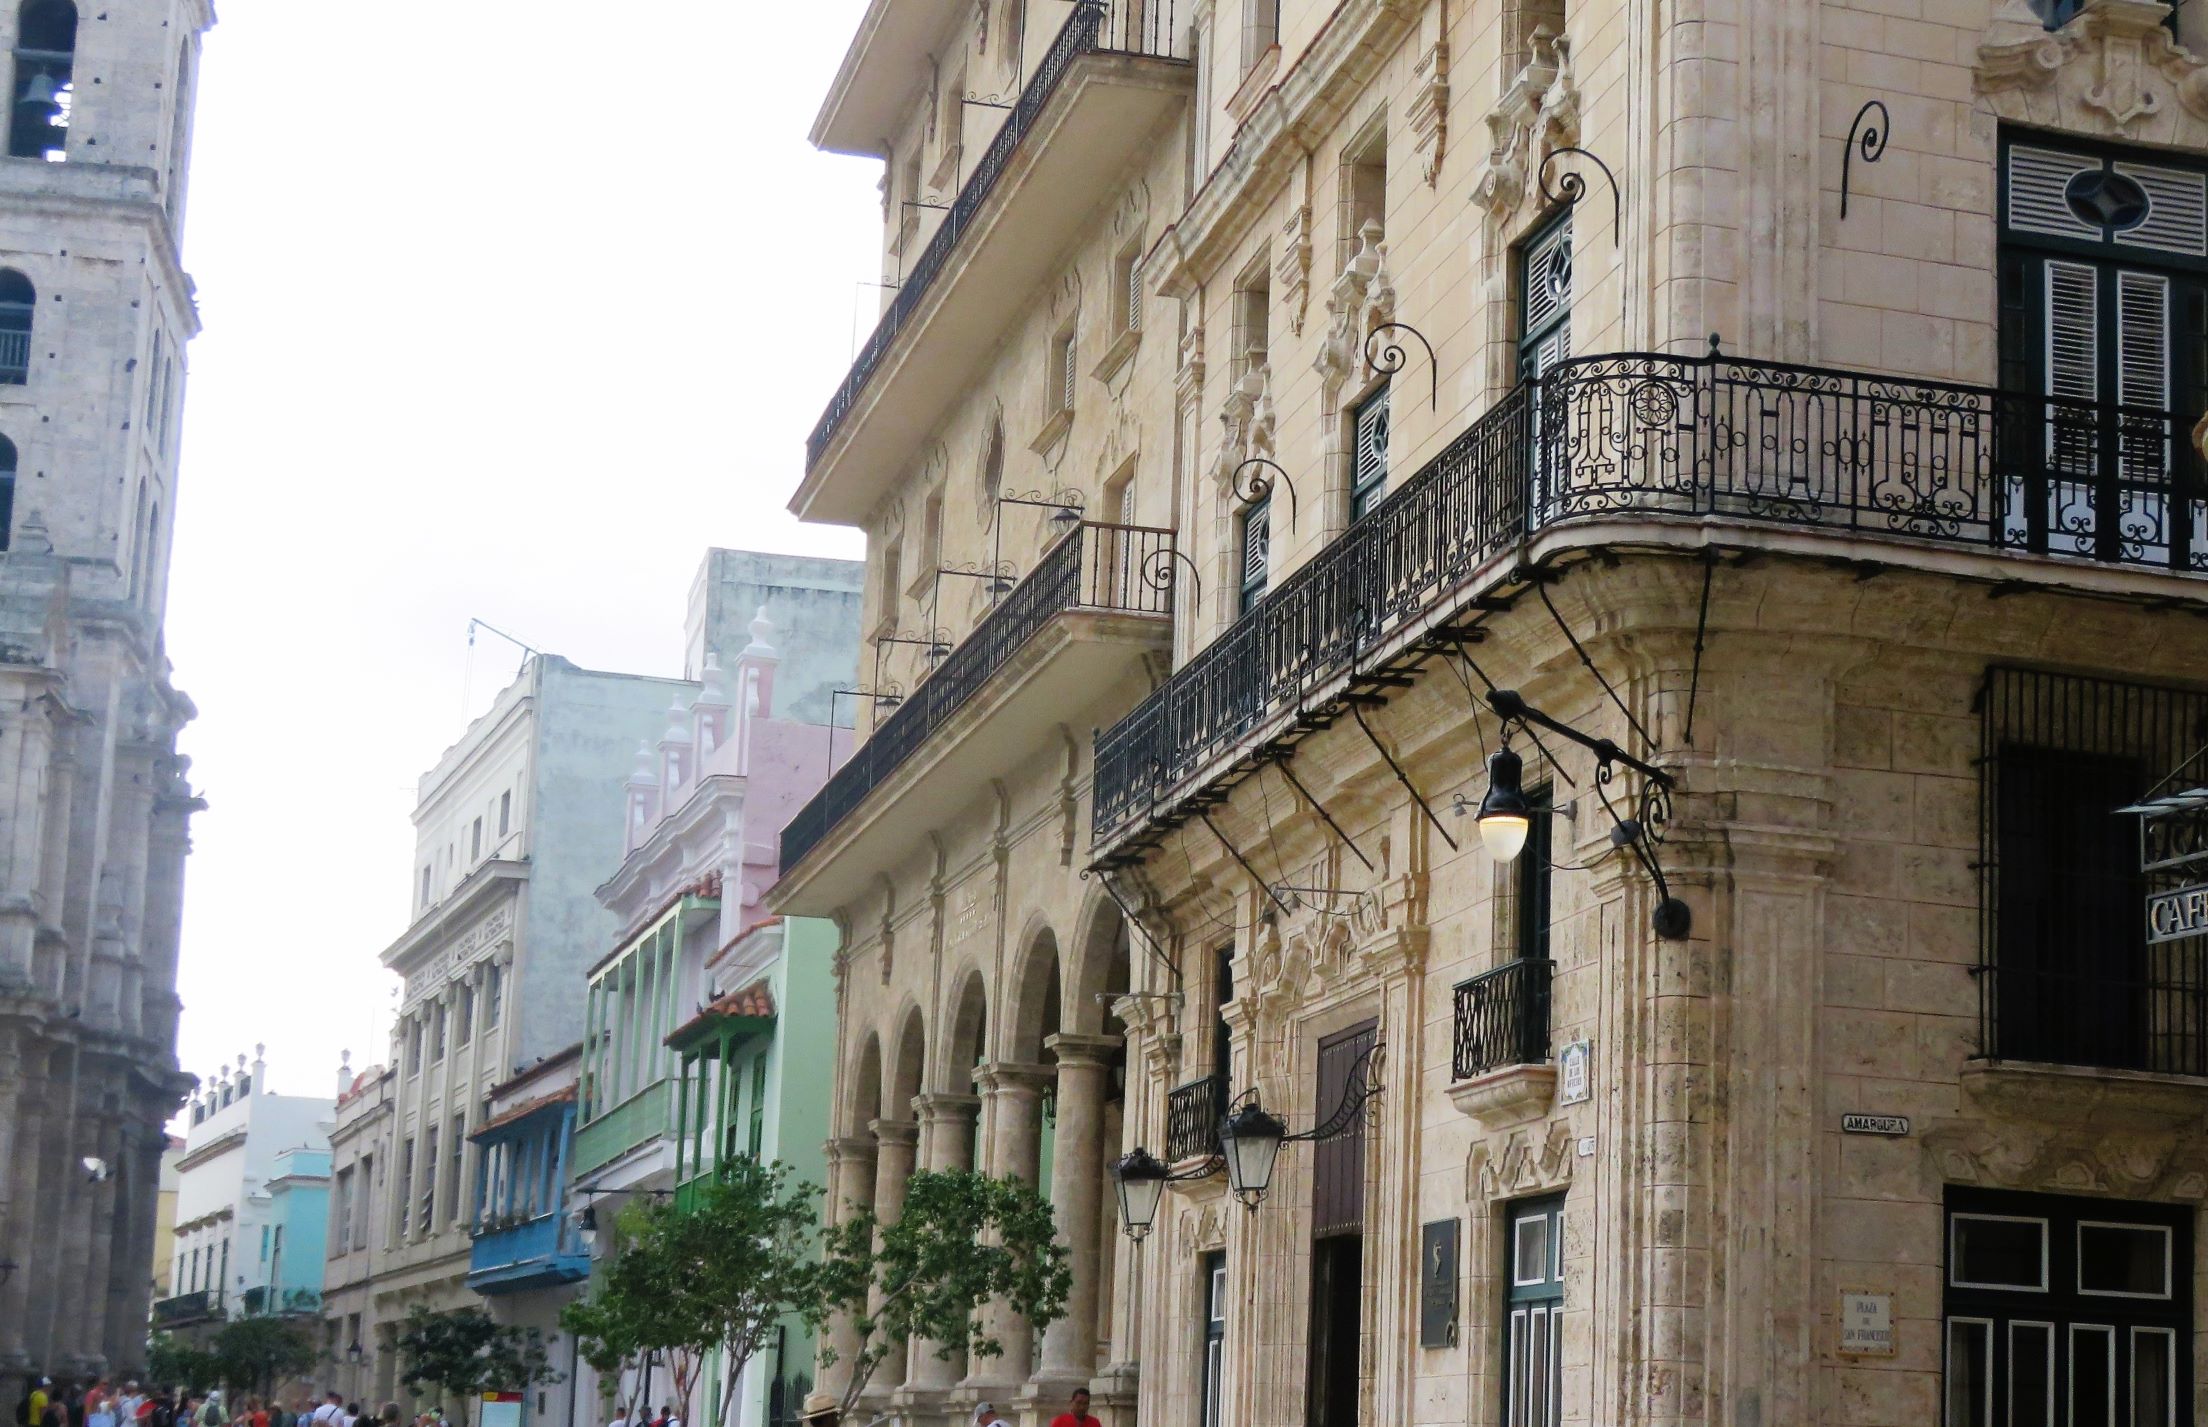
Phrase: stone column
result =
(1013, 1094)
(946, 1142)
(20, 1128)
(1076, 1190)
(893, 1161)
(850, 1191)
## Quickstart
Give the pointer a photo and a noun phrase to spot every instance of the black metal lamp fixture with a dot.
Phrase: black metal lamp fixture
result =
(352, 1353)
(1505, 813)
(586, 1226)
(1250, 1138)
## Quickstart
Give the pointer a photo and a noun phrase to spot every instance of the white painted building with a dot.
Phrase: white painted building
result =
(248, 1155)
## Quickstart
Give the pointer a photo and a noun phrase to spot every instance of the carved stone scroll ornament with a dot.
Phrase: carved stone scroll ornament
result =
(2080, 1159)
(1247, 418)
(2114, 71)
(1537, 114)
(1362, 298)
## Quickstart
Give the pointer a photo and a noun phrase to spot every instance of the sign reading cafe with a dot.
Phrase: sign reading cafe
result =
(2179, 912)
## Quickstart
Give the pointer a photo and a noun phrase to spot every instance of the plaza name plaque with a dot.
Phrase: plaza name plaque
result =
(2177, 913)
(1874, 1124)
(1437, 1285)
(1867, 1325)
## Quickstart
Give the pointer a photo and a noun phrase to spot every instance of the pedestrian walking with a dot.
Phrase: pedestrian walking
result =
(1079, 1415)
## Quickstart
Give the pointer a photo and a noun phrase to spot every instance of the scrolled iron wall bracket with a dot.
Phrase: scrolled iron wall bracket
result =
(1571, 186)
(1872, 142)
(1251, 489)
(1390, 358)
(1158, 572)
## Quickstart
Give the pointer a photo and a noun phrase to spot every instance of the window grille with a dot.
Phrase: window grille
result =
(2066, 975)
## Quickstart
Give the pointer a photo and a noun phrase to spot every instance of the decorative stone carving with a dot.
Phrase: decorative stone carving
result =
(2080, 1159)
(2114, 71)
(1538, 114)
(1362, 299)
(1247, 415)
(1293, 268)
(1429, 111)
(1521, 1167)
(1188, 376)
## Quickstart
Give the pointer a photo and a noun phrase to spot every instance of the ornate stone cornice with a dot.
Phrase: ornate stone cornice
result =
(2113, 72)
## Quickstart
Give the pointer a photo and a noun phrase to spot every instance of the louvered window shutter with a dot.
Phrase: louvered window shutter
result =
(1257, 549)
(1065, 377)
(2143, 372)
(1369, 479)
(1134, 295)
(2073, 328)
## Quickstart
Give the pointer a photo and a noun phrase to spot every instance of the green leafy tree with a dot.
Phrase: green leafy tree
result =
(173, 1362)
(719, 1273)
(465, 1353)
(257, 1353)
(961, 1242)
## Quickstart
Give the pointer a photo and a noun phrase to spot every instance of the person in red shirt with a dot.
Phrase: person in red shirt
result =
(1079, 1417)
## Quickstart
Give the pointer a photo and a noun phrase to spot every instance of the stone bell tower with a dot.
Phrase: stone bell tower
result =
(95, 312)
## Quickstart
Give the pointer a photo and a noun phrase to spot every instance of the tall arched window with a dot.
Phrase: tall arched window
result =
(7, 491)
(18, 300)
(45, 63)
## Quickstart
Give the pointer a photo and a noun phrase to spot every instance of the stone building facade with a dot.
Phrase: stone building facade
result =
(1898, 1116)
(513, 827)
(95, 311)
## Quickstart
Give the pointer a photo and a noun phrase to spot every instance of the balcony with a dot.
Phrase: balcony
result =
(187, 1308)
(1192, 1115)
(1833, 458)
(638, 1120)
(1097, 604)
(515, 1253)
(1502, 1018)
(258, 1301)
(1112, 75)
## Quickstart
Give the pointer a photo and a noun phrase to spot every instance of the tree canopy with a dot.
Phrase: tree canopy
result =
(961, 1241)
(465, 1353)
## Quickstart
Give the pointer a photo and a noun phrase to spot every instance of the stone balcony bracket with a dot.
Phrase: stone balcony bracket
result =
(1506, 1096)
(2036, 1093)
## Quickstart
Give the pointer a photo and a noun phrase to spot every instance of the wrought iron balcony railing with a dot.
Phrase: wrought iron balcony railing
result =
(1192, 1115)
(1645, 436)
(1123, 27)
(1502, 1018)
(1095, 566)
(187, 1307)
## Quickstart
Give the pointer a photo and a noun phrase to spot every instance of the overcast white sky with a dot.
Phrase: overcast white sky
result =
(511, 310)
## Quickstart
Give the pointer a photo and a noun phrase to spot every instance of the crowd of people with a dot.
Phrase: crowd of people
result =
(100, 1404)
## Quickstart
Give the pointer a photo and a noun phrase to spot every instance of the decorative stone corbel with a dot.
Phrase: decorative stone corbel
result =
(1293, 267)
(1362, 299)
(1247, 416)
(1539, 113)
(2114, 72)
(1188, 376)
(1429, 111)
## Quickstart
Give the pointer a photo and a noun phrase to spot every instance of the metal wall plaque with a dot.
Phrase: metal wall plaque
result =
(1572, 1062)
(2177, 913)
(1867, 1325)
(1874, 1124)
(1437, 1285)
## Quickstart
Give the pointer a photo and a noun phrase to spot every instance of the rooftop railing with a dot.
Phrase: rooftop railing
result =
(1094, 566)
(1641, 436)
(1126, 27)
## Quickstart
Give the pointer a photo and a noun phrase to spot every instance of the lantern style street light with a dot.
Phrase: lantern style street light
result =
(1505, 813)
(1250, 1137)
